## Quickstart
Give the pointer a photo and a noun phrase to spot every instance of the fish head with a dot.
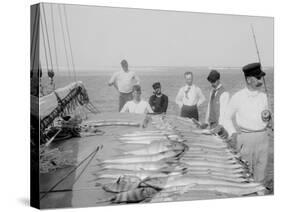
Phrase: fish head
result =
(156, 183)
(148, 192)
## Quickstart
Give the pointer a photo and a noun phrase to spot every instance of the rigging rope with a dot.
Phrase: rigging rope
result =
(70, 47)
(65, 50)
(34, 38)
(54, 38)
(44, 44)
(47, 35)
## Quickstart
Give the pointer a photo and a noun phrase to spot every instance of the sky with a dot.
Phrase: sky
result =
(102, 36)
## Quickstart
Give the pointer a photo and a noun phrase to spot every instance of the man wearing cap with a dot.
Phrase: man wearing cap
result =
(158, 101)
(124, 81)
(189, 98)
(250, 135)
(217, 102)
(137, 105)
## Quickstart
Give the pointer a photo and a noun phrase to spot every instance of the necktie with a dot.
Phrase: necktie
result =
(213, 94)
(187, 91)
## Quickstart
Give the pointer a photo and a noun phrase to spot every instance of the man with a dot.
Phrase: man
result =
(248, 107)
(189, 98)
(217, 102)
(158, 101)
(137, 105)
(124, 81)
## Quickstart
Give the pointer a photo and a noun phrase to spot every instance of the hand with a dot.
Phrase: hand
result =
(233, 141)
(220, 131)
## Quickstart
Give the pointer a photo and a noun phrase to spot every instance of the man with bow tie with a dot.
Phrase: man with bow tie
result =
(189, 98)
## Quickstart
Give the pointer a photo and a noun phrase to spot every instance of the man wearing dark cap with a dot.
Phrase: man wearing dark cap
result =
(247, 107)
(124, 81)
(137, 105)
(217, 102)
(158, 101)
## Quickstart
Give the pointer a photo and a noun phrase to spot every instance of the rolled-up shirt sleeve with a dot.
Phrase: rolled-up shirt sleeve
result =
(179, 98)
(230, 111)
(224, 100)
(201, 97)
(112, 79)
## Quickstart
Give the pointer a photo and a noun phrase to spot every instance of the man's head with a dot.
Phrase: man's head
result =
(124, 65)
(157, 88)
(188, 76)
(214, 78)
(137, 92)
(253, 75)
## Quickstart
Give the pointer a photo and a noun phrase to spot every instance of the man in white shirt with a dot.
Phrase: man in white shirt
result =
(124, 81)
(217, 102)
(247, 107)
(189, 98)
(137, 105)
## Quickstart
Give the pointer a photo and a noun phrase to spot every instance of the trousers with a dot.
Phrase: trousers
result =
(190, 112)
(254, 148)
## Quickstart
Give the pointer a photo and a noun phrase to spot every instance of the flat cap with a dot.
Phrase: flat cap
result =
(253, 70)
(214, 75)
(156, 85)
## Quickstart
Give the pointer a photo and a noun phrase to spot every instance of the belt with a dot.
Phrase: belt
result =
(245, 130)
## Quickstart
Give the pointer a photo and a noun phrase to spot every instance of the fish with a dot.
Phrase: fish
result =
(144, 158)
(211, 164)
(124, 183)
(143, 174)
(133, 196)
(209, 159)
(214, 169)
(233, 190)
(157, 147)
(148, 133)
(162, 183)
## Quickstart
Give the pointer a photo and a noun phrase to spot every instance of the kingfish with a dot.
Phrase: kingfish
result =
(144, 158)
(162, 183)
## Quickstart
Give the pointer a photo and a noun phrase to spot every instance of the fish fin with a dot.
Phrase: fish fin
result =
(118, 180)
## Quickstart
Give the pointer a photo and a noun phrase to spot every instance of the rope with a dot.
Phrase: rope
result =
(68, 35)
(34, 38)
(44, 44)
(47, 35)
(65, 50)
(54, 37)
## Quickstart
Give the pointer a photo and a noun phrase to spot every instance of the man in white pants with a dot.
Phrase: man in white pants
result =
(247, 107)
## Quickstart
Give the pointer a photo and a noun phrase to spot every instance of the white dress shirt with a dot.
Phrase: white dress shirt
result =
(246, 107)
(124, 80)
(141, 107)
(224, 99)
(190, 95)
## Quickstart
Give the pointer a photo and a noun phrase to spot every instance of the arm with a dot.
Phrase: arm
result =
(208, 111)
(151, 102)
(165, 104)
(179, 98)
(230, 111)
(125, 108)
(224, 99)
(148, 109)
(201, 98)
(136, 79)
(112, 81)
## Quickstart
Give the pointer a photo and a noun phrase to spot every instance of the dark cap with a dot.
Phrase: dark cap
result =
(156, 85)
(214, 75)
(253, 70)
(137, 88)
